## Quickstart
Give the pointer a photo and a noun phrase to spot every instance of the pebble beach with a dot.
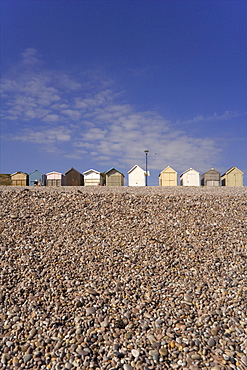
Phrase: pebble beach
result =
(131, 278)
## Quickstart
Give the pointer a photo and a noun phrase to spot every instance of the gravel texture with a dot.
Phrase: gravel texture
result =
(123, 278)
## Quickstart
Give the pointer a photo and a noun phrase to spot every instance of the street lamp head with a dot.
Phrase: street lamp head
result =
(146, 151)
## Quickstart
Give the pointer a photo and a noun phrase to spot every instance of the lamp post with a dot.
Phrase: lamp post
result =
(146, 173)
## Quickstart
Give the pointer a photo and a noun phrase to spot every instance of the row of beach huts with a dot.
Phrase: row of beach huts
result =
(136, 177)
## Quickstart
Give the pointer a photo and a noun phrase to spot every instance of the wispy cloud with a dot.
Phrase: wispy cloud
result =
(72, 114)
(44, 135)
(50, 107)
(29, 57)
(215, 117)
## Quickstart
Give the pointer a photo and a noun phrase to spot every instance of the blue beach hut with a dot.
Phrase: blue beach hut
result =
(36, 178)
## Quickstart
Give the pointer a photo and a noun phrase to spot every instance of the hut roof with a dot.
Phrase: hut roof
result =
(91, 170)
(132, 169)
(113, 168)
(189, 169)
(231, 169)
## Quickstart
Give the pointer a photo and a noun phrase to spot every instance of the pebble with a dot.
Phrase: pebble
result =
(211, 342)
(90, 310)
(92, 291)
(181, 363)
(135, 353)
(244, 360)
(68, 365)
(196, 356)
(132, 278)
(163, 351)
(127, 367)
(188, 297)
(32, 333)
(27, 358)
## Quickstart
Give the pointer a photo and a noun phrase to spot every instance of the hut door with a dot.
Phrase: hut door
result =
(212, 183)
(237, 179)
(171, 179)
(191, 179)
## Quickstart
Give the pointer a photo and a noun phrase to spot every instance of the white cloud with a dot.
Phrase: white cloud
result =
(78, 154)
(30, 56)
(94, 134)
(59, 107)
(102, 159)
(52, 118)
(44, 135)
(64, 82)
(216, 117)
(96, 121)
(126, 137)
(30, 96)
(72, 114)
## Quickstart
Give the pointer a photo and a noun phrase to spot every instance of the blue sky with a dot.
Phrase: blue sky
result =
(92, 84)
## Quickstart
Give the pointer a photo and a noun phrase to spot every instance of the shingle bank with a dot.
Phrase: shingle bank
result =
(123, 278)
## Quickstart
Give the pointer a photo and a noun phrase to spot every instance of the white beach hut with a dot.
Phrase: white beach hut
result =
(190, 177)
(92, 178)
(136, 176)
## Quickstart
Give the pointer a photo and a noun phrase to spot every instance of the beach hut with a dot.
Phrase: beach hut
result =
(36, 178)
(74, 178)
(114, 178)
(5, 179)
(168, 177)
(136, 176)
(232, 177)
(190, 177)
(92, 178)
(19, 179)
(55, 179)
(210, 178)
